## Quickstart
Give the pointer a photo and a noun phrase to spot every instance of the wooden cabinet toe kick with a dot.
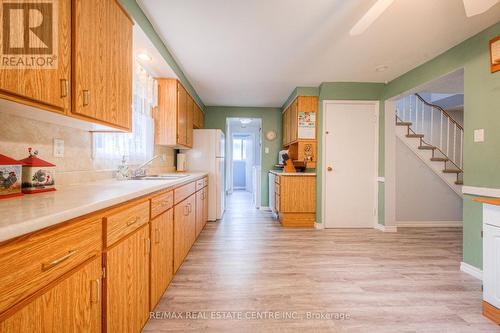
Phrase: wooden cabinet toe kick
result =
(297, 220)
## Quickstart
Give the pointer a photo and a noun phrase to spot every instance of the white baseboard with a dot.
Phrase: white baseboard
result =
(386, 228)
(429, 224)
(266, 208)
(319, 226)
(481, 191)
(471, 270)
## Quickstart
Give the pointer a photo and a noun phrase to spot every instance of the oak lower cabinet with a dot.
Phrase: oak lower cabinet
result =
(162, 255)
(72, 304)
(201, 210)
(45, 88)
(126, 283)
(184, 229)
(102, 63)
(295, 200)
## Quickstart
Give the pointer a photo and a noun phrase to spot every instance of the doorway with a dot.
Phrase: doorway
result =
(350, 159)
(244, 157)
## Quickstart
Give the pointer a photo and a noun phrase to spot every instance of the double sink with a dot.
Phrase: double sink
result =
(159, 177)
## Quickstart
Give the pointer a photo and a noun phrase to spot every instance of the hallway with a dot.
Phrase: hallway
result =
(351, 280)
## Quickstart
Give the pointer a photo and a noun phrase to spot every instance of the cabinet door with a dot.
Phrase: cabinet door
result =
(284, 118)
(181, 213)
(202, 119)
(44, 88)
(294, 121)
(102, 60)
(189, 122)
(205, 205)
(200, 207)
(491, 266)
(191, 223)
(162, 260)
(72, 305)
(127, 283)
(182, 97)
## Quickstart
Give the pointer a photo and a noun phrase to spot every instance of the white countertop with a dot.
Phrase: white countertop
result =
(282, 173)
(22, 215)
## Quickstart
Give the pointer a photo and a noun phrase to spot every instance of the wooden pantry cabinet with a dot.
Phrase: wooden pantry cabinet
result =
(41, 87)
(176, 116)
(102, 63)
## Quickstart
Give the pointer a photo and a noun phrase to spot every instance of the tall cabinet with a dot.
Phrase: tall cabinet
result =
(300, 130)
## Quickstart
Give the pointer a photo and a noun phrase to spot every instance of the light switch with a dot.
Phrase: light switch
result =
(58, 148)
(479, 135)
(266, 150)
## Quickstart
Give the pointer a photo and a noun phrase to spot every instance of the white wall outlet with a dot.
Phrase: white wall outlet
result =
(479, 135)
(58, 148)
(266, 150)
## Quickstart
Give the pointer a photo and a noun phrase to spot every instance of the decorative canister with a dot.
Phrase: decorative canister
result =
(38, 175)
(10, 177)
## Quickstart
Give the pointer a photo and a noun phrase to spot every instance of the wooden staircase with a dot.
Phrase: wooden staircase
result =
(438, 156)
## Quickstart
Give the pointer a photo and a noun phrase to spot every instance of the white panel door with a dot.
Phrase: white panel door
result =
(491, 266)
(350, 164)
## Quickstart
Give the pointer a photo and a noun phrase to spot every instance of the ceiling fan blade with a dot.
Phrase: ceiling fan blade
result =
(476, 7)
(371, 16)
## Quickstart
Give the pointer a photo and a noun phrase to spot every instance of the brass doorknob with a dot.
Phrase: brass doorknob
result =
(329, 169)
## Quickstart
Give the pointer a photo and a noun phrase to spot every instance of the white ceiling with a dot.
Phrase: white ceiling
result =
(254, 53)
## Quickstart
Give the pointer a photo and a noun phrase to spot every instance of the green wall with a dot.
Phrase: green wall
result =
(300, 91)
(141, 19)
(481, 110)
(215, 117)
(341, 91)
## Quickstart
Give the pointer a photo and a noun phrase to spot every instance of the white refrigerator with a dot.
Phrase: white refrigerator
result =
(207, 155)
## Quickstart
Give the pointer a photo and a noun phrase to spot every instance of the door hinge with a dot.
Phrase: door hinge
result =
(104, 272)
(481, 234)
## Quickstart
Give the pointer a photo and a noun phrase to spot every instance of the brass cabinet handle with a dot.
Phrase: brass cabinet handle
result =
(97, 298)
(157, 236)
(86, 97)
(132, 221)
(148, 245)
(329, 169)
(47, 266)
(186, 210)
(64, 88)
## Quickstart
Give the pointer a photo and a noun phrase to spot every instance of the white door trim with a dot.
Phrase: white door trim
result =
(376, 104)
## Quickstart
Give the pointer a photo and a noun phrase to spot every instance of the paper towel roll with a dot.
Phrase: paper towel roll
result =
(181, 162)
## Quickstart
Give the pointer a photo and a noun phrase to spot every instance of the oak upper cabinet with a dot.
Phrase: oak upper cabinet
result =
(162, 260)
(127, 283)
(199, 117)
(184, 229)
(102, 63)
(44, 88)
(174, 115)
(71, 305)
(303, 108)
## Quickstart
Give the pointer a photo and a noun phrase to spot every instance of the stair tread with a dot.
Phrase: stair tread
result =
(414, 135)
(427, 147)
(439, 159)
(459, 182)
(403, 123)
(452, 171)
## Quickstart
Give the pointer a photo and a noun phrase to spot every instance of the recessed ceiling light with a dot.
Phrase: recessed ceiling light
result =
(144, 57)
(381, 68)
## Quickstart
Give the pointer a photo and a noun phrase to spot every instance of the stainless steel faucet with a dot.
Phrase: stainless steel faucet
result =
(140, 171)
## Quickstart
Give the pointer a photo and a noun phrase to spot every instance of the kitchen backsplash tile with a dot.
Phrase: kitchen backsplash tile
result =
(77, 165)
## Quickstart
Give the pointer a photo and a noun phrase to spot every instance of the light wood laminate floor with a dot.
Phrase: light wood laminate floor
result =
(385, 282)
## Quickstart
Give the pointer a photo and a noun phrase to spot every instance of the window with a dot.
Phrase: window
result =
(239, 149)
(138, 145)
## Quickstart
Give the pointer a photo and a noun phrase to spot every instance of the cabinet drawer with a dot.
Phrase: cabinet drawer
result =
(33, 261)
(124, 220)
(183, 192)
(161, 203)
(200, 183)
